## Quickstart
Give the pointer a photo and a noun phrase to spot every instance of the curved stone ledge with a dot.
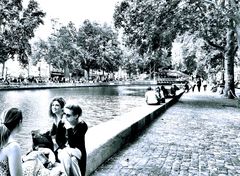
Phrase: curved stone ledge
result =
(103, 140)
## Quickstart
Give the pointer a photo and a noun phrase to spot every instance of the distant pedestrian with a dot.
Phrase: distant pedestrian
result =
(199, 83)
(204, 85)
(186, 87)
(193, 85)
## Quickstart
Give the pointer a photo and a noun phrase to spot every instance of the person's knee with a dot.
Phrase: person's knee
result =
(63, 155)
(74, 159)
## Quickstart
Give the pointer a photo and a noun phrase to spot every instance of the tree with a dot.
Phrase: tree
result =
(132, 62)
(218, 18)
(153, 25)
(58, 50)
(98, 47)
(110, 53)
(150, 28)
(91, 46)
(189, 55)
(17, 27)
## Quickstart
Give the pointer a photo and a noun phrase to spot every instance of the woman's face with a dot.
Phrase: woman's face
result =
(56, 107)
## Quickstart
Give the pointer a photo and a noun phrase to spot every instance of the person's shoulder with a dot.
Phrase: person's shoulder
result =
(13, 146)
(148, 91)
(82, 124)
(81, 127)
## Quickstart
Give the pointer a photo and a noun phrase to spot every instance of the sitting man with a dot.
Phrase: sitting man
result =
(173, 90)
(73, 157)
(165, 92)
(152, 97)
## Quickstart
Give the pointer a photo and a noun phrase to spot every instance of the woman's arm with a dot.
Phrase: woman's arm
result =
(14, 159)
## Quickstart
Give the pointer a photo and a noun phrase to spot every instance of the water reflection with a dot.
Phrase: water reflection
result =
(99, 104)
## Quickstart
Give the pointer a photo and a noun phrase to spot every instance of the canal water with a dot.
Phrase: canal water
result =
(99, 104)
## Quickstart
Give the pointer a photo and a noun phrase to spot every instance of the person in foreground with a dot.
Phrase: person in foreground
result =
(58, 130)
(10, 152)
(73, 157)
(44, 152)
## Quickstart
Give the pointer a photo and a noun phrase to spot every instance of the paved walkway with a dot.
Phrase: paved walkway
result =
(200, 135)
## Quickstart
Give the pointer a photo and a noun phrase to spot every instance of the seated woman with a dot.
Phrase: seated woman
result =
(10, 152)
(58, 130)
(57, 135)
(160, 95)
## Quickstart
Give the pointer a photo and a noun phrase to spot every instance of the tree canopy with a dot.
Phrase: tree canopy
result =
(17, 27)
(91, 46)
(149, 26)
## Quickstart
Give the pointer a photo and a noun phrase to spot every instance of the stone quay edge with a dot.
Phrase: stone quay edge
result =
(105, 139)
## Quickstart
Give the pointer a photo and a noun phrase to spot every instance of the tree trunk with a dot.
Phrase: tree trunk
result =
(88, 73)
(150, 72)
(229, 89)
(66, 71)
(3, 69)
(238, 32)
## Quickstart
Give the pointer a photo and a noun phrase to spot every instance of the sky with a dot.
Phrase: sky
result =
(77, 11)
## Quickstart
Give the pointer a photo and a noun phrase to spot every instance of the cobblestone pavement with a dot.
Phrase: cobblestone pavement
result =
(199, 135)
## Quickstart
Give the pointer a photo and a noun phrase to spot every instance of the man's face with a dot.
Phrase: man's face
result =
(72, 119)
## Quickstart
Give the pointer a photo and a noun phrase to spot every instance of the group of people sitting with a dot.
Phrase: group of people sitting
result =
(159, 94)
(59, 151)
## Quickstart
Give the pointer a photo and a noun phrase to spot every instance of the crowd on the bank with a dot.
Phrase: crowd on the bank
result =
(197, 83)
(58, 151)
(40, 80)
(159, 94)
(56, 79)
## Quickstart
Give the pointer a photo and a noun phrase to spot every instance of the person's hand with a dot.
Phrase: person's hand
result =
(73, 152)
(67, 125)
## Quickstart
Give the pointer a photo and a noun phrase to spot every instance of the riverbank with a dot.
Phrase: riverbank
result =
(103, 140)
(21, 86)
(199, 136)
(17, 86)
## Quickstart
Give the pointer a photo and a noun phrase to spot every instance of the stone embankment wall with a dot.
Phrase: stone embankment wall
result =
(103, 140)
